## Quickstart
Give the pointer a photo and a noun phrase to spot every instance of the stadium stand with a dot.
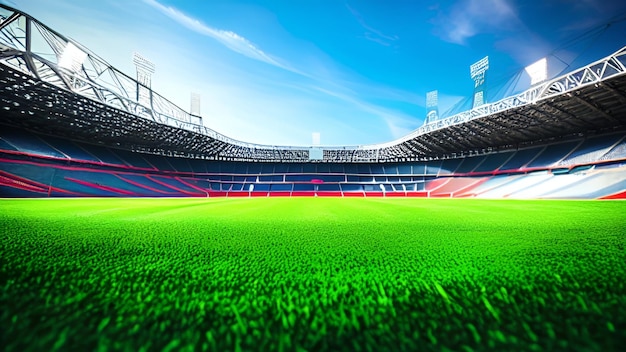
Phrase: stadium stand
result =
(616, 153)
(29, 144)
(145, 182)
(175, 184)
(73, 151)
(521, 158)
(4, 145)
(488, 185)
(553, 154)
(591, 150)
(515, 184)
(134, 160)
(120, 177)
(454, 187)
(469, 164)
(180, 165)
(493, 162)
(563, 138)
(159, 163)
(449, 166)
(592, 186)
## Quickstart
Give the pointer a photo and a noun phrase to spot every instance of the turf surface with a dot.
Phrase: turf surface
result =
(312, 274)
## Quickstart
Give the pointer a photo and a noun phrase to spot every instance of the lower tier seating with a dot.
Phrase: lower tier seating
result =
(34, 165)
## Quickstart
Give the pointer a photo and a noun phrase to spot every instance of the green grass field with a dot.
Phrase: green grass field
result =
(312, 274)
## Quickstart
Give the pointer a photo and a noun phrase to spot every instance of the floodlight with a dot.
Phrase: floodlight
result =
(72, 58)
(145, 69)
(479, 67)
(431, 106)
(316, 138)
(431, 99)
(195, 104)
(538, 71)
(143, 63)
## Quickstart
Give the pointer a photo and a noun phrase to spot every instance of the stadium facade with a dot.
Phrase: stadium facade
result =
(73, 125)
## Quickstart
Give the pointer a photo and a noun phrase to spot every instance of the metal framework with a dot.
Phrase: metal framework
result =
(64, 88)
(94, 78)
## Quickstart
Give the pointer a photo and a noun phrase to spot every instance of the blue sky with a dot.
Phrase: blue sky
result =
(357, 72)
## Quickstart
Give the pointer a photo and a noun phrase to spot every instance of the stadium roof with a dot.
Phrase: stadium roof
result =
(80, 96)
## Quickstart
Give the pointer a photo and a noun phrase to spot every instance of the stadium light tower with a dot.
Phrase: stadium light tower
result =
(195, 104)
(315, 152)
(478, 72)
(431, 106)
(194, 109)
(145, 68)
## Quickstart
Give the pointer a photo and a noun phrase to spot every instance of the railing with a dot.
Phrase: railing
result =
(594, 73)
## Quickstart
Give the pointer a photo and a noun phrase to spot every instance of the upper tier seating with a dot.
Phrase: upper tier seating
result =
(591, 150)
(493, 162)
(552, 154)
(469, 164)
(69, 149)
(616, 153)
(135, 160)
(521, 158)
(105, 155)
(27, 142)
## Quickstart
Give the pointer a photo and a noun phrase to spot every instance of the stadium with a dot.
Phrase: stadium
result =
(73, 126)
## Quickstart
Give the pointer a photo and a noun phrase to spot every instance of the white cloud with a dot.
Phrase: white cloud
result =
(468, 18)
(371, 33)
(231, 40)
